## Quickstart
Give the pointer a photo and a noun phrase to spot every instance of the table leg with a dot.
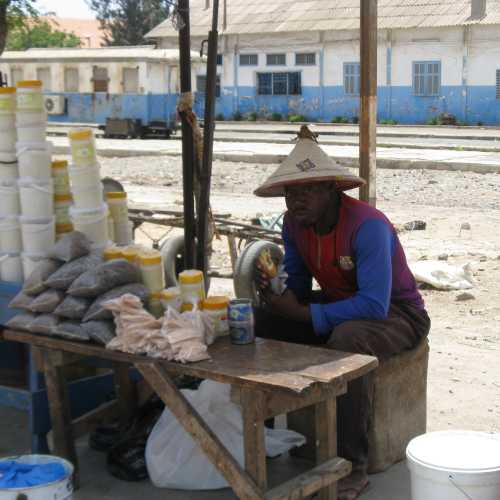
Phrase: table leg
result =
(60, 411)
(253, 406)
(326, 440)
(125, 392)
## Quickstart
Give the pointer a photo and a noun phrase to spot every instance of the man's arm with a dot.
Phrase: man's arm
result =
(373, 250)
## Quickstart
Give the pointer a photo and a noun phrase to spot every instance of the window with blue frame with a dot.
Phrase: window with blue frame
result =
(427, 78)
(279, 83)
(351, 78)
(249, 59)
(201, 85)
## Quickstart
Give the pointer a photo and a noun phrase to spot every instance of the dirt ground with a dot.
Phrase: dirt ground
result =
(464, 376)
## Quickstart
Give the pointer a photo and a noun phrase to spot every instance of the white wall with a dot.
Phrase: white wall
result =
(484, 55)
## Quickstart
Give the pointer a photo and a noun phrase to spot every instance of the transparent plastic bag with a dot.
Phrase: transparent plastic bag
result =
(21, 321)
(70, 247)
(65, 275)
(44, 324)
(47, 301)
(35, 283)
(70, 330)
(21, 301)
(73, 307)
(101, 332)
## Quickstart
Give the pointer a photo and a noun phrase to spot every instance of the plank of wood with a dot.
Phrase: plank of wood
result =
(103, 413)
(309, 482)
(60, 412)
(125, 392)
(253, 409)
(242, 484)
(326, 441)
(265, 364)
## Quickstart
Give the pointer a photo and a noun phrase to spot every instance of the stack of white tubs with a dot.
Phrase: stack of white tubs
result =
(89, 214)
(36, 188)
(63, 200)
(10, 231)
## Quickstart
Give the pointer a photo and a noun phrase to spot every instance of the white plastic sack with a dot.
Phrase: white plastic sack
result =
(442, 275)
(175, 461)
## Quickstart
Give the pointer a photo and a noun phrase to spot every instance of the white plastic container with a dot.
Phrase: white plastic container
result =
(36, 132)
(33, 162)
(39, 234)
(37, 197)
(122, 233)
(455, 465)
(62, 204)
(60, 176)
(216, 307)
(30, 262)
(62, 229)
(11, 270)
(24, 118)
(81, 177)
(88, 197)
(92, 223)
(10, 235)
(152, 271)
(171, 297)
(8, 102)
(8, 167)
(61, 489)
(192, 284)
(83, 149)
(29, 95)
(8, 138)
(9, 199)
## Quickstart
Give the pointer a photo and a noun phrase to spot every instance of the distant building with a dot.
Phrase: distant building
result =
(88, 30)
(296, 57)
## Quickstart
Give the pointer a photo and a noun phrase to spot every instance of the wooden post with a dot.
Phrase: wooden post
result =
(187, 137)
(368, 105)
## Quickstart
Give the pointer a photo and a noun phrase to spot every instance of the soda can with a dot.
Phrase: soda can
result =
(241, 321)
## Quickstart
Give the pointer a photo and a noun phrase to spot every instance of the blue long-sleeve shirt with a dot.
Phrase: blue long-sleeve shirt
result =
(373, 249)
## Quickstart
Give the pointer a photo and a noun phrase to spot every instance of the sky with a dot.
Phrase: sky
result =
(66, 8)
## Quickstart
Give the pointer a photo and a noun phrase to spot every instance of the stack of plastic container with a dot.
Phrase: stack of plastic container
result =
(10, 230)
(89, 214)
(63, 200)
(118, 209)
(36, 188)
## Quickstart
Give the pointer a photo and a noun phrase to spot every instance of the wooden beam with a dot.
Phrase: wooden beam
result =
(242, 484)
(368, 101)
(309, 482)
(125, 392)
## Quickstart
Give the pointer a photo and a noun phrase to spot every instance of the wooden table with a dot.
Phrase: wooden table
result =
(272, 378)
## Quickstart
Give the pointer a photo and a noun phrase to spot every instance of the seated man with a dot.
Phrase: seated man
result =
(368, 302)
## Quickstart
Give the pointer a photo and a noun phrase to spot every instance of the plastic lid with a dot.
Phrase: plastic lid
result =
(155, 296)
(116, 195)
(59, 164)
(64, 228)
(76, 135)
(7, 90)
(191, 276)
(215, 303)
(186, 307)
(170, 293)
(112, 253)
(457, 451)
(63, 197)
(150, 259)
(129, 254)
(29, 83)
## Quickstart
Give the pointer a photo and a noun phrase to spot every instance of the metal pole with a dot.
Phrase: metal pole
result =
(208, 139)
(368, 104)
(187, 137)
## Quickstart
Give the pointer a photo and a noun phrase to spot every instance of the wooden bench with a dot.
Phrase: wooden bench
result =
(274, 378)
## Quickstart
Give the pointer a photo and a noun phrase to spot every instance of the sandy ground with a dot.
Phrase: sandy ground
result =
(464, 374)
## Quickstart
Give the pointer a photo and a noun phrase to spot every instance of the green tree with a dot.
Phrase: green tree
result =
(125, 22)
(40, 33)
(14, 14)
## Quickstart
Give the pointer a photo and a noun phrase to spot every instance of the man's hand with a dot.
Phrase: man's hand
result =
(286, 305)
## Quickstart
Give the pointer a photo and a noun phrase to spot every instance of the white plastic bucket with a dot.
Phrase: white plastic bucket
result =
(35, 132)
(83, 148)
(39, 235)
(30, 263)
(455, 465)
(37, 197)
(11, 270)
(81, 177)
(89, 197)
(29, 95)
(60, 176)
(61, 489)
(92, 223)
(35, 163)
(8, 138)
(123, 234)
(8, 102)
(8, 167)
(10, 235)
(9, 199)
(30, 117)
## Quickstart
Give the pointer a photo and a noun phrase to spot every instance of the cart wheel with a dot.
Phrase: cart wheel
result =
(245, 273)
(172, 251)
(111, 185)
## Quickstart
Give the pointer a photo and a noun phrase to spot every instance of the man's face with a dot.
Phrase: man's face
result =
(308, 202)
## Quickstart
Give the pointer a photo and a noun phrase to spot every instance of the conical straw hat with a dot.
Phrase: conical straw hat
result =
(308, 163)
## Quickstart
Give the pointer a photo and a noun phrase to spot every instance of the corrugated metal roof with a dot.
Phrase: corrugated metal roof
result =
(275, 16)
(143, 53)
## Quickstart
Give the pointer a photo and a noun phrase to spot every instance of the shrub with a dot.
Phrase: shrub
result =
(252, 117)
(433, 121)
(219, 117)
(237, 117)
(275, 117)
(340, 119)
(355, 119)
(388, 122)
(297, 118)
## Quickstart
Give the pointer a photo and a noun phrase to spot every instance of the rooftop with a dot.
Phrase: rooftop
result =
(263, 16)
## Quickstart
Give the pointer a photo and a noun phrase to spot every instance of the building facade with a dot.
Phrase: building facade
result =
(434, 64)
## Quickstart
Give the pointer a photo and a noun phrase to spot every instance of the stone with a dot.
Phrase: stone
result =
(443, 256)
(464, 296)
(465, 226)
